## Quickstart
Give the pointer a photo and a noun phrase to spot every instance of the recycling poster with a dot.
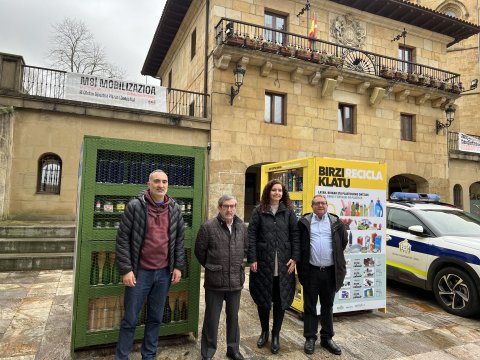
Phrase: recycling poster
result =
(356, 192)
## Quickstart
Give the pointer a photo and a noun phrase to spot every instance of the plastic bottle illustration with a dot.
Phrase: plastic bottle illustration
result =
(167, 312)
(176, 310)
(378, 209)
(106, 272)
(353, 208)
(348, 210)
(184, 311)
(371, 209)
(94, 272)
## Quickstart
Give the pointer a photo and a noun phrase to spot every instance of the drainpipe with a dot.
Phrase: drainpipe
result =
(205, 69)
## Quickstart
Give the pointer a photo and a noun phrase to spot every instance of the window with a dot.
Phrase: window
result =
(49, 174)
(401, 220)
(193, 44)
(346, 115)
(191, 109)
(277, 22)
(274, 108)
(407, 123)
(169, 80)
(458, 196)
(405, 54)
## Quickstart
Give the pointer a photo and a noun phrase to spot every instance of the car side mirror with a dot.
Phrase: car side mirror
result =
(416, 230)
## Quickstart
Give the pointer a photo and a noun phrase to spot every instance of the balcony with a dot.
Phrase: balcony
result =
(50, 83)
(269, 49)
(454, 149)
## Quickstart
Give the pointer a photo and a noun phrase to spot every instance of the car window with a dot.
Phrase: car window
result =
(448, 222)
(401, 220)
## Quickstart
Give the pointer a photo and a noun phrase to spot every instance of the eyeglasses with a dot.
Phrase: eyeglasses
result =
(317, 203)
(229, 206)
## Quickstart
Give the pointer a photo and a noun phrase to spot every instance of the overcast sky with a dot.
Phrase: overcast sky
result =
(124, 27)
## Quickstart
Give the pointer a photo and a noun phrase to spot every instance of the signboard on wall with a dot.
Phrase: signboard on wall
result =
(99, 90)
(356, 192)
(468, 143)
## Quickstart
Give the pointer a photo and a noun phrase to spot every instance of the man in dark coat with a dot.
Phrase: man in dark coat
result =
(220, 248)
(150, 257)
(321, 271)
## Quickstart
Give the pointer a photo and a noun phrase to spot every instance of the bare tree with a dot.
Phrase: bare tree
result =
(74, 49)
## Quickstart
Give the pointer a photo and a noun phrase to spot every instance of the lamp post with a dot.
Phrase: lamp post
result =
(450, 115)
(239, 73)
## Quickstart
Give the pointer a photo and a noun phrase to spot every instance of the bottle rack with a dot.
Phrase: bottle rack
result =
(112, 173)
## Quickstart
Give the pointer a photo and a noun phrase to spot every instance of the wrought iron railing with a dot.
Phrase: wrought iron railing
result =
(255, 37)
(38, 81)
(50, 83)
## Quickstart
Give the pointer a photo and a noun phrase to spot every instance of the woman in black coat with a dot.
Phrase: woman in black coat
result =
(273, 250)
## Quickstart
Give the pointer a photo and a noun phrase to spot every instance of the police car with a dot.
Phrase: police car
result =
(435, 246)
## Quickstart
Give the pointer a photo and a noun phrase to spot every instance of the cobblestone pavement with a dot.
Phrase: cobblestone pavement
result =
(36, 307)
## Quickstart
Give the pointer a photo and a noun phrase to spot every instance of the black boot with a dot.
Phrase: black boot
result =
(275, 343)
(262, 340)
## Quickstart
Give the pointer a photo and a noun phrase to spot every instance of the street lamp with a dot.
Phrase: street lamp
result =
(239, 73)
(450, 115)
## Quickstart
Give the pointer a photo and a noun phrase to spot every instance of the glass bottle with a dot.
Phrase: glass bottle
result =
(94, 272)
(176, 310)
(167, 312)
(184, 311)
(106, 272)
(115, 273)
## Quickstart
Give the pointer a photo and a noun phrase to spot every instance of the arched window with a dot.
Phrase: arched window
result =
(454, 8)
(458, 196)
(49, 174)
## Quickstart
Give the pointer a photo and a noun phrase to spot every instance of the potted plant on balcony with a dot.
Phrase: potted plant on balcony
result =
(412, 78)
(457, 88)
(435, 82)
(446, 85)
(253, 43)
(270, 46)
(386, 72)
(287, 50)
(303, 54)
(235, 39)
(401, 75)
(424, 80)
(334, 60)
(316, 56)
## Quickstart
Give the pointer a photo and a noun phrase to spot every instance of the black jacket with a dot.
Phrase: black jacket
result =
(339, 243)
(131, 234)
(222, 253)
(267, 234)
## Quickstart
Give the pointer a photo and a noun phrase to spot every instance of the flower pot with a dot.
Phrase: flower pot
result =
(435, 83)
(334, 60)
(387, 73)
(445, 85)
(412, 78)
(425, 81)
(315, 57)
(252, 43)
(287, 51)
(303, 54)
(270, 48)
(400, 75)
(235, 40)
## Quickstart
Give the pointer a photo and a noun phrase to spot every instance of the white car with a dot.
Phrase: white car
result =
(435, 246)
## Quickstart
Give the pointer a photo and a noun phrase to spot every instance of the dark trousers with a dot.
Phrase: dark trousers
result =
(278, 313)
(319, 284)
(213, 307)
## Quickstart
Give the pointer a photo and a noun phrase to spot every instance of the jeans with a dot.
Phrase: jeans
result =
(152, 285)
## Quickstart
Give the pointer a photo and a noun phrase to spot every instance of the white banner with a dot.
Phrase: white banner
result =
(468, 143)
(94, 89)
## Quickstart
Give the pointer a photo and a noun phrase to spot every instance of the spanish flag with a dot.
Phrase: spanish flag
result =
(312, 33)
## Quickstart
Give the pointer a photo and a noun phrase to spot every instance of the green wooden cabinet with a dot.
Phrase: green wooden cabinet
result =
(111, 172)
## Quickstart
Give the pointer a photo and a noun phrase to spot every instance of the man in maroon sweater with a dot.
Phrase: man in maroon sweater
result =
(150, 256)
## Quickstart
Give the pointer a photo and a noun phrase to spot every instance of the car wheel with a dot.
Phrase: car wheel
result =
(455, 291)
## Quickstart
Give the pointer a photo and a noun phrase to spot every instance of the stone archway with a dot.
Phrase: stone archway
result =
(407, 183)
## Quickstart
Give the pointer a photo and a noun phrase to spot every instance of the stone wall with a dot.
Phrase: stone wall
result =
(6, 129)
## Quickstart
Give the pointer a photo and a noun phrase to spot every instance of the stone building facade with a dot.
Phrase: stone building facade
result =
(311, 95)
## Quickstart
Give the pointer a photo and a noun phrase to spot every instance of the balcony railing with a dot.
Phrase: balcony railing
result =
(50, 83)
(282, 43)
